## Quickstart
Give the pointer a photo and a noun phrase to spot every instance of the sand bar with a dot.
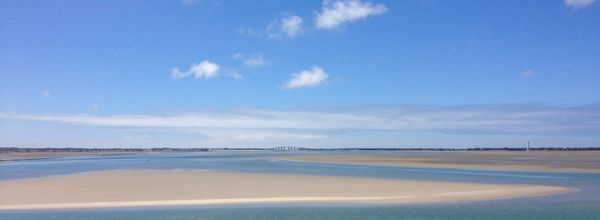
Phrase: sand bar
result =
(133, 188)
(18, 156)
(579, 162)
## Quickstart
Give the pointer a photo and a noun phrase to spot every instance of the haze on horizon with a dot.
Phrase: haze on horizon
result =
(332, 73)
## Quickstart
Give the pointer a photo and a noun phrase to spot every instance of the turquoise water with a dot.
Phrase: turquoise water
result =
(583, 204)
(402, 212)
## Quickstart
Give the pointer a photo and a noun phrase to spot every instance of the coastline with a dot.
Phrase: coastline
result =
(148, 188)
(27, 156)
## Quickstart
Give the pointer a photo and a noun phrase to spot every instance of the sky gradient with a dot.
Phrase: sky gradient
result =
(212, 73)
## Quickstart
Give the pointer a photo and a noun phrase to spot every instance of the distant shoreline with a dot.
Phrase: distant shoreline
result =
(8, 154)
(32, 156)
(520, 161)
(209, 149)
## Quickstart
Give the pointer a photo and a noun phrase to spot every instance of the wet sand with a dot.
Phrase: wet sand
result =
(17, 156)
(539, 161)
(135, 188)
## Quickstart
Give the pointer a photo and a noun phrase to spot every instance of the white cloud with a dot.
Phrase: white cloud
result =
(45, 93)
(265, 123)
(528, 73)
(288, 26)
(204, 69)
(291, 25)
(307, 78)
(579, 3)
(338, 12)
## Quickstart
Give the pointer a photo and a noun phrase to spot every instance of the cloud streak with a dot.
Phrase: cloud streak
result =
(288, 26)
(252, 60)
(575, 4)
(502, 119)
(528, 73)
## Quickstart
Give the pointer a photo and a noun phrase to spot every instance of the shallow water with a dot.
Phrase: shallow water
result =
(582, 204)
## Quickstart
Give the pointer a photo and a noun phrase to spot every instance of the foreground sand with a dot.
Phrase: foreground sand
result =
(554, 161)
(130, 188)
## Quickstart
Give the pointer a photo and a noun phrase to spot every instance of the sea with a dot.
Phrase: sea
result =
(584, 203)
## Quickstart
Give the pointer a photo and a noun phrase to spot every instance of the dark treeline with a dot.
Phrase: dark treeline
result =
(167, 149)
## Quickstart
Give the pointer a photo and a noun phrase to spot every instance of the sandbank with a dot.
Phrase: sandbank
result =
(146, 188)
(538, 161)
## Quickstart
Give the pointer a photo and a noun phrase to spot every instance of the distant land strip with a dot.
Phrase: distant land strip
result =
(207, 149)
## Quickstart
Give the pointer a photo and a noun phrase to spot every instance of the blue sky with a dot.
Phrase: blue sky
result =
(353, 73)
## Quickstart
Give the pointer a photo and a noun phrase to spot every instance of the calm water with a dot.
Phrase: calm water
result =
(583, 204)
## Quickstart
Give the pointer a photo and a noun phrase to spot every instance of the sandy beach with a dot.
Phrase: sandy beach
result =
(133, 188)
(539, 161)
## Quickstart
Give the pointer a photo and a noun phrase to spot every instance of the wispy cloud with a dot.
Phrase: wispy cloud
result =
(275, 136)
(137, 137)
(463, 120)
(338, 12)
(256, 61)
(252, 60)
(528, 73)
(288, 26)
(250, 32)
(232, 73)
(576, 4)
(204, 69)
(234, 137)
(307, 78)
(45, 93)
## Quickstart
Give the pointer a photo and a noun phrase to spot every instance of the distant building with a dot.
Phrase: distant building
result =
(285, 148)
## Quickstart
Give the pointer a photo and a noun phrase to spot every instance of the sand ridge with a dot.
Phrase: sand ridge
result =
(572, 162)
(131, 188)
